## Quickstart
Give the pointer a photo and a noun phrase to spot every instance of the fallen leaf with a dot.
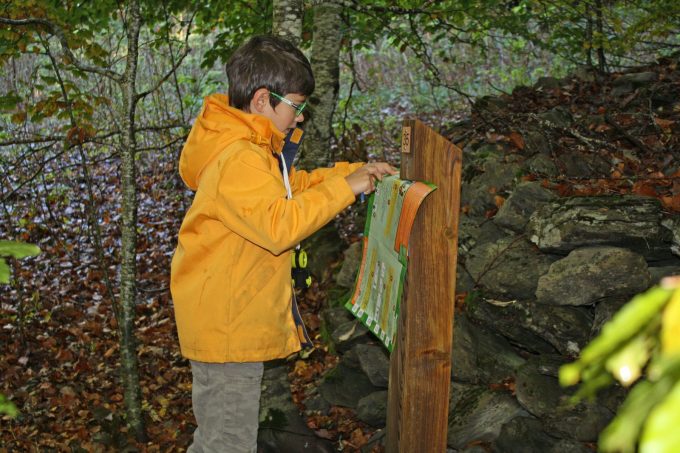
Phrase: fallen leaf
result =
(644, 188)
(517, 140)
(67, 390)
(324, 434)
(664, 124)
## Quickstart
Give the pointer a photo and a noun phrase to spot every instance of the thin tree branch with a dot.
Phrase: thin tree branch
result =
(57, 31)
(94, 138)
(174, 67)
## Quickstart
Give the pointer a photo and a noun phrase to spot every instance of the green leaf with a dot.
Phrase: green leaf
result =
(6, 407)
(632, 318)
(18, 249)
(9, 102)
(622, 433)
(626, 364)
(661, 434)
(4, 271)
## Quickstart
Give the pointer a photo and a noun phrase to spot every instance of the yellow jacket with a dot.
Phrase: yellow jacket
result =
(230, 276)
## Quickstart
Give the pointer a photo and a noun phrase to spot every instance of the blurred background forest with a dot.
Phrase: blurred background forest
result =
(96, 99)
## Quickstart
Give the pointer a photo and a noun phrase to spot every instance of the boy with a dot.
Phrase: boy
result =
(231, 272)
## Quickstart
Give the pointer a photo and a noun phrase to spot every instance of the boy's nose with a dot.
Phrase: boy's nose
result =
(300, 118)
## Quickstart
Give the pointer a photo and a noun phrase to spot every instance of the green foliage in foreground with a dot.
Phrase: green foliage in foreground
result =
(16, 250)
(642, 338)
(6, 407)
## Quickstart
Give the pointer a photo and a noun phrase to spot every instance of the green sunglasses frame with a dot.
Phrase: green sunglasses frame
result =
(298, 108)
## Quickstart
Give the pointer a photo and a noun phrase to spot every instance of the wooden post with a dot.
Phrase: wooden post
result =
(420, 365)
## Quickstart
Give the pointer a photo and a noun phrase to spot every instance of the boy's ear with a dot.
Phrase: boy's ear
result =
(260, 101)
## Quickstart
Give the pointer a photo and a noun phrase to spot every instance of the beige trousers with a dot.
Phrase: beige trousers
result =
(226, 402)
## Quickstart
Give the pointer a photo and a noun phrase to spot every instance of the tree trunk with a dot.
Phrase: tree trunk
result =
(325, 64)
(287, 20)
(601, 59)
(128, 285)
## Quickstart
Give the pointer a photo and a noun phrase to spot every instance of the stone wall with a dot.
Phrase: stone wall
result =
(542, 275)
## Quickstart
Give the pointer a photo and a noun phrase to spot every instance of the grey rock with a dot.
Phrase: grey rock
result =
(510, 320)
(374, 362)
(621, 90)
(498, 176)
(350, 265)
(582, 422)
(569, 446)
(456, 392)
(473, 449)
(489, 232)
(477, 157)
(542, 165)
(557, 116)
(468, 233)
(494, 266)
(349, 334)
(372, 409)
(526, 435)
(629, 82)
(637, 78)
(491, 103)
(672, 224)
(578, 165)
(323, 248)
(531, 325)
(282, 428)
(479, 355)
(335, 317)
(547, 83)
(657, 273)
(464, 282)
(316, 403)
(345, 386)
(535, 142)
(524, 200)
(592, 120)
(536, 386)
(523, 435)
(473, 231)
(275, 392)
(629, 221)
(479, 416)
(565, 328)
(539, 392)
(604, 310)
(585, 73)
(596, 272)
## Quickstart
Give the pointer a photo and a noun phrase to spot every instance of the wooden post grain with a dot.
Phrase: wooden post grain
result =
(420, 366)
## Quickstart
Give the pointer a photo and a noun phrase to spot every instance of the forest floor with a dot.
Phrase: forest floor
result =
(59, 357)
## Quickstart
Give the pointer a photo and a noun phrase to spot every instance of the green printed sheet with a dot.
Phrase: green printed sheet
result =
(378, 288)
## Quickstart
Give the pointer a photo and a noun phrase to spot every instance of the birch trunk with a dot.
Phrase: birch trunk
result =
(287, 20)
(325, 64)
(128, 284)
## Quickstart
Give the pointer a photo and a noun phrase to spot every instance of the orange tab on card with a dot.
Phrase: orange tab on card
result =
(412, 200)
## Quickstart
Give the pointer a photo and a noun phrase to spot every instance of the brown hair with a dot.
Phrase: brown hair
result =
(267, 62)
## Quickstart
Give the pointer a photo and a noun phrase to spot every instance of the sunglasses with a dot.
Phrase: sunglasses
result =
(298, 108)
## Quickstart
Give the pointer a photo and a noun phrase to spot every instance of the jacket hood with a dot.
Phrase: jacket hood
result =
(218, 126)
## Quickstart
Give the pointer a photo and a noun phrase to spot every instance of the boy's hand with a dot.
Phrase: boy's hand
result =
(363, 179)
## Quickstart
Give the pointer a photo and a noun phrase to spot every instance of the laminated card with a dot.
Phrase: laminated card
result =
(378, 289)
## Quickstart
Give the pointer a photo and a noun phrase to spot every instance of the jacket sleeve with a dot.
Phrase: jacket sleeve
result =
(251, 201)
(301, 180)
